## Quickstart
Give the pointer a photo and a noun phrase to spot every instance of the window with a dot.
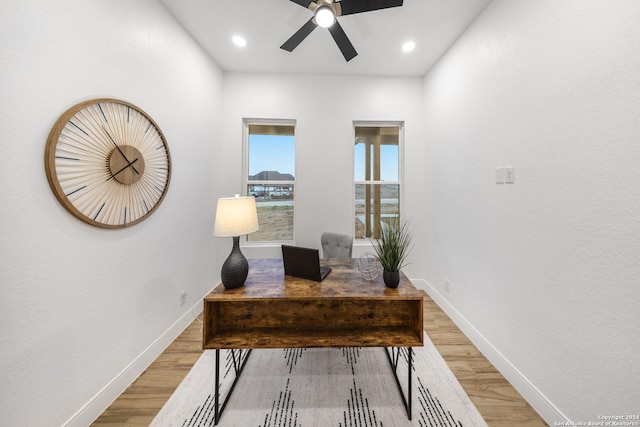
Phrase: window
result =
(376, 177)
(270, 177)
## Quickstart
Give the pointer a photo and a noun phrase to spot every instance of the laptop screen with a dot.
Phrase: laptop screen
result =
(303, 262)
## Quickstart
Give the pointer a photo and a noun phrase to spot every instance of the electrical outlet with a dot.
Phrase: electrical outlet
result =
(447, 285)
(183, 297)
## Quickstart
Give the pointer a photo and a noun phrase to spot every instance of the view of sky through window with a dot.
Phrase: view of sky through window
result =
(271, 153)
(388, 168)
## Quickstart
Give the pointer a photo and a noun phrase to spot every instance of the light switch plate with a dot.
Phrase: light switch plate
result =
(499, 175)
(509, 175)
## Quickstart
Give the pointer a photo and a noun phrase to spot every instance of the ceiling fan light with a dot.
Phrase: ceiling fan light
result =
(325, 16)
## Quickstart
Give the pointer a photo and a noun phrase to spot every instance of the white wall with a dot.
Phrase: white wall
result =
(545, 272)
(324, 108)
(82, 308)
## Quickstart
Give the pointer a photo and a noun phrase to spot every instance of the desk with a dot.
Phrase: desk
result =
(272, 310)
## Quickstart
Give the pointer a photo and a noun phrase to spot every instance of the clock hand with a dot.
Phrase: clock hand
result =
(129, 165)
(119, 150)
(114, 143)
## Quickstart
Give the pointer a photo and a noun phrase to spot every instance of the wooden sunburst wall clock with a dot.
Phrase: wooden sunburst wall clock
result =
(108, 163)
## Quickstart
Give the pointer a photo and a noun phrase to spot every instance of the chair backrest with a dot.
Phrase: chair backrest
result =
(335, 245)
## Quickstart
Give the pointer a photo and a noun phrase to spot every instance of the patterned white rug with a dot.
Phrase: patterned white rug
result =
(341, 387)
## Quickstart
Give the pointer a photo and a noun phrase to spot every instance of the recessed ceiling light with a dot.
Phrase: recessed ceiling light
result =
(239, 41)
(408, 46)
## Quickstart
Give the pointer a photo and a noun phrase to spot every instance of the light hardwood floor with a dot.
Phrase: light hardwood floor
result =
(498, 402)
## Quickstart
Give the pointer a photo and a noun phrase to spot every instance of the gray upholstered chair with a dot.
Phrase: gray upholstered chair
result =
(336, 245)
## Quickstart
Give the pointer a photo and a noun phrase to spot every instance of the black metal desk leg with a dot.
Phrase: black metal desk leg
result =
(216, 415)
(238, 366)
(410, 375)
(394, 360)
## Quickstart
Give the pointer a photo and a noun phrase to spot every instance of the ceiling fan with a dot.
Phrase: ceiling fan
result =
(325, 13)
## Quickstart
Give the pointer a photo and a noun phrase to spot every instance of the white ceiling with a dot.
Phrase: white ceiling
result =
(377, 36)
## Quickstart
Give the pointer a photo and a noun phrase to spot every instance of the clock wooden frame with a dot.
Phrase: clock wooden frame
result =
(108, 163)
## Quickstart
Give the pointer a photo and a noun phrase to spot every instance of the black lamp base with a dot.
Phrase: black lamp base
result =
(235, 268)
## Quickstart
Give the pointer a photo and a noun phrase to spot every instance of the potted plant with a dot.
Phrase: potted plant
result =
(392, 248)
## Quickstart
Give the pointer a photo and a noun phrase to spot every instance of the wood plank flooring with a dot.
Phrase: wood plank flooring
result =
(498, 402)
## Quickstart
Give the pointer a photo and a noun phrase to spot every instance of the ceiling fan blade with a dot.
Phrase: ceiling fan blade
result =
(350, 7)
(347, 49)
(299, 35)
(303, 3)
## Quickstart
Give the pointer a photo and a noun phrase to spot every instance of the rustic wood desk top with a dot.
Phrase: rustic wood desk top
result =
(266, 279)
(272, 310)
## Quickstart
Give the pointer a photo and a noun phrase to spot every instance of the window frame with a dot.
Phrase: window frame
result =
(246, 122)
(400, 182)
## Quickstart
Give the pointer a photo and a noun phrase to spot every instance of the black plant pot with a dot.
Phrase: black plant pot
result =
(391, 278)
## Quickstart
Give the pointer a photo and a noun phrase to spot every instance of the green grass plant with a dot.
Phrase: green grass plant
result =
(394, 245)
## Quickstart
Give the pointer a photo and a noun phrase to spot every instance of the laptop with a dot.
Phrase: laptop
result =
(303, 262)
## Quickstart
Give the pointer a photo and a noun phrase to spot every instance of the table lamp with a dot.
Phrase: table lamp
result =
(235, 216)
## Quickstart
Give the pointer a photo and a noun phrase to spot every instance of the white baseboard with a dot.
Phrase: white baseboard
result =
(101, 401)
(547, 410)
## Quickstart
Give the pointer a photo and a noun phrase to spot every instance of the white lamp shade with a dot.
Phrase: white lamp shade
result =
(236, 216)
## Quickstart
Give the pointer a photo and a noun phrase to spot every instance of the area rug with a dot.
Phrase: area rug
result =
(341, 387)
